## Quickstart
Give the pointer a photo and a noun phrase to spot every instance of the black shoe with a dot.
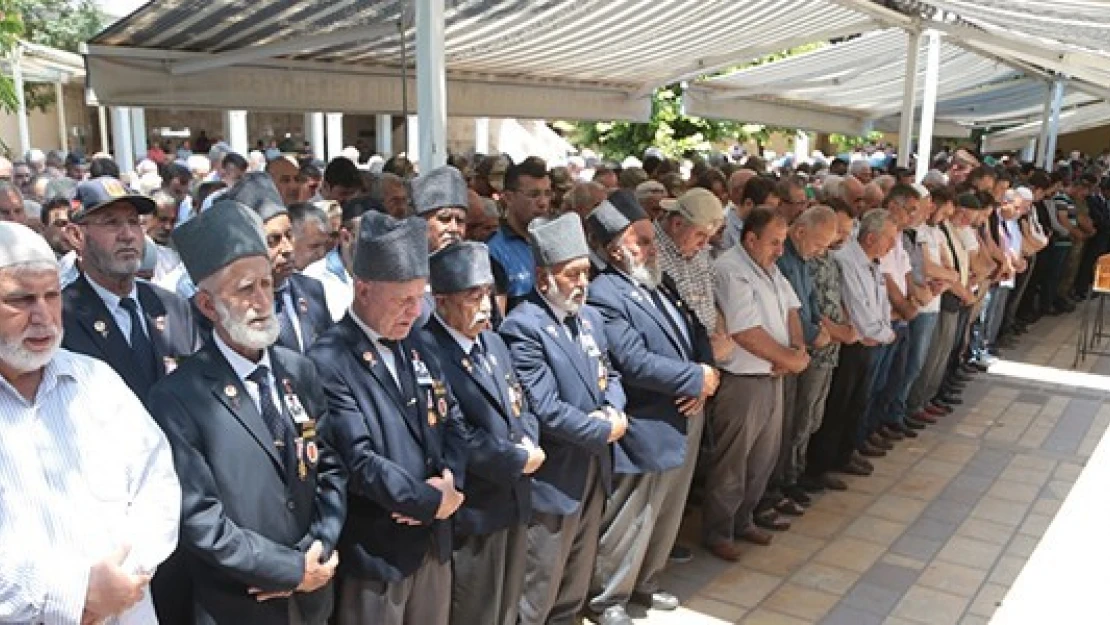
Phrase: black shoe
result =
(658, 600)
(914, 424)
(906, 431)
(680, 555)
(810, 485)
(853, 468)
(832, 482)
(798, 494)
(951, 400)
(770, 520)
(613, 615)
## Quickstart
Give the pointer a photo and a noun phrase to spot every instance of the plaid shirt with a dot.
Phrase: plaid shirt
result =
(826, 288)
(693, 278)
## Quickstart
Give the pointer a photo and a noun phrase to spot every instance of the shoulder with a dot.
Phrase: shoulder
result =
(85, 369)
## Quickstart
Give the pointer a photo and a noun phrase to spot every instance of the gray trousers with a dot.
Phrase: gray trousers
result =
(746, 417)
(560, 559)
(639, 527)
(936, 362)
(803, 406)
(488, 577)
(422, 598)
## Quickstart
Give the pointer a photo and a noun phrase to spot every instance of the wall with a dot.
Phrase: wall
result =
(1090, 142)
(43, 125)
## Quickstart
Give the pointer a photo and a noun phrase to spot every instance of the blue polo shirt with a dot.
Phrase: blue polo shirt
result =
(514, 267)
(793, 267)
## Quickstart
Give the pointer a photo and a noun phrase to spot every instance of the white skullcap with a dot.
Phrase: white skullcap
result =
(1025, 193)
(20, 245)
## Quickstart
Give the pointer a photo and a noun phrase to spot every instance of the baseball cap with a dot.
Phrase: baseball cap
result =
(97, 193)
(699, 206)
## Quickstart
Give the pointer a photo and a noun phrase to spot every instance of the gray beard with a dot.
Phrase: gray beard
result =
(241, 333)
(23, 360)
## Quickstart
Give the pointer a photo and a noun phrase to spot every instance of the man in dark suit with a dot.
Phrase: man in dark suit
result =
(560, 355)
(395, 424)
(489, 543)
(299, 301)
(440, 197)
(660, 352)
(263, 494)
(139, 329)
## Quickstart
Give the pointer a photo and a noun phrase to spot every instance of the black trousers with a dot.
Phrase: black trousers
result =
(831, 446)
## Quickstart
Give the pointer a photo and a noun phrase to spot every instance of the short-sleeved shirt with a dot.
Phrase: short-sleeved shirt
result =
(929, 240)
(793, 268)
(896, 264)
(750, 296)
(512, 262)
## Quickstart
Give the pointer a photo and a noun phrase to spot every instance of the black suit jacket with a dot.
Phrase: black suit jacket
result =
(390, 444)
(498, 494)
(246, 520)
(91, 330)
(564, 385)
(658, 364)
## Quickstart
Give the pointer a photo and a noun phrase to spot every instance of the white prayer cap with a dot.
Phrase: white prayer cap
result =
(20, 245)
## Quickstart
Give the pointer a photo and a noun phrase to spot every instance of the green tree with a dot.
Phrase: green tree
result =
(62, 24)
(11, 28)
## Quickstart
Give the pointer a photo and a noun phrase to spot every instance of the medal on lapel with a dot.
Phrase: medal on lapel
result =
(552, 331)
(602, 376)
(170, 364)
(368, 357)
(432, 417)
(293, 403)
(160, 324)
(302, 304)
(101, 327)
(466, 365)
(302, 469)
(232, 393)
(514, 396)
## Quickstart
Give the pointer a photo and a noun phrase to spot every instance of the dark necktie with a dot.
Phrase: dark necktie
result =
(657, 298)
(478, 357)
(276, 422)
(571, 322)
(408, 391)
(140, 342)
(287, 335)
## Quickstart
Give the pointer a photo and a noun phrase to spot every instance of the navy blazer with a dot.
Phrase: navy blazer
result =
(498, 494)
(564, 385)
(310, 302)
(245, 520)
(390, 445)
(91, 330)
(657, 364)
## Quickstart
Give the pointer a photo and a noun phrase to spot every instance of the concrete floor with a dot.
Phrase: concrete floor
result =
(941, 530)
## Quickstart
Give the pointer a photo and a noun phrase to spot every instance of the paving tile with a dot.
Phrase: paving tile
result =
(876, 530)
(799, 601)
(947, 510)
(850, 553)
(819, 524)
(891, 576)
(1035, 525)
(1006, 570)
(741, 587)
(930, 606)
(933, 465)
(932, 528)
(872, 598)
(904, 561)
(987, 531)
(1022, 545)
(1068, 471)
(1046, 506)
(824, 577)
(847, 615)
(775, 560)
(1014, 491)
(799, 542)
(1058, 489)
(705, 608)
(916, 547)
(952, 578)
(896, 508)
(919, 486)
(988, 600)
(1036, 477)
(847, 503)
(875, 483)
(970, 552)
(1000, 511)
(767, 617)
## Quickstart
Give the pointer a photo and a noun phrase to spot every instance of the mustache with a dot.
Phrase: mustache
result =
(37, 332)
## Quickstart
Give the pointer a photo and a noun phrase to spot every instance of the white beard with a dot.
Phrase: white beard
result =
(646, 274)
(240, 331)
(571, 302)
(13, 354)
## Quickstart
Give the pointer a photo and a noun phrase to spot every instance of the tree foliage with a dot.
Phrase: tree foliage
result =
(62, 24)
(11, 28)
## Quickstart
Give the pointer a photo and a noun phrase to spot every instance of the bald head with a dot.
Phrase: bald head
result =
(736, 183)
(851, 191)
(585, 196)
(873, 195)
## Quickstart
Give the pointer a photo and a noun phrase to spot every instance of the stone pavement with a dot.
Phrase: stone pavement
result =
(940, 531)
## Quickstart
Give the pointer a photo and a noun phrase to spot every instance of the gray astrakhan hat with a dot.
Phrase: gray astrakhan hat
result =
(557, 240)
(218, 237)
(391, 250)
(460, 266)
(256, 191)
(442, 187)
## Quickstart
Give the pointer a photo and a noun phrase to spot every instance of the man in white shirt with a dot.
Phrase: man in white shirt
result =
(90, 497)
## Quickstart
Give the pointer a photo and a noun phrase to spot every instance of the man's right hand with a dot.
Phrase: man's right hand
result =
(618, 426)
(317, 573)
(112, 590)
(711, 379)
(451, 498)
(536, 456)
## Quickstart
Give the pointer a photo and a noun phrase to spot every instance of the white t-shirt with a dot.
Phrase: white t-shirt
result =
(928, 241)
(896, 264)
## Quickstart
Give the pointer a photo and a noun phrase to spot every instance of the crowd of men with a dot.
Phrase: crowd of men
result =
(258, 392)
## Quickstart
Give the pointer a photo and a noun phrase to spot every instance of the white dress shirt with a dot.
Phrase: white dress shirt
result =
(119, 313)
(243, 368)
(384, 352)
(339, 291)
(83, 470)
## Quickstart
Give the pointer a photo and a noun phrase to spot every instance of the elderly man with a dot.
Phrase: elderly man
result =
(91, 502)
(584, 197)
(299, 300)
(490, 540)
(760, 312)
(139, 329)
(663, 355)
(286, 176)
(262, 493)
(333, 270)
(11, 204)
(851, 191)
(810, 236)
(399, 432)
(561, 356)
(650, 194)
(393, 192)
(792, 198)
(483, 217)
(312, 233)
(527, 195)
(440, 198)
(861, 169)
(832, 448)
(684, 232)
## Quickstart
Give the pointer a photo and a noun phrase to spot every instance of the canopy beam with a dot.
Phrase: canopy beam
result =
(928, 106)
(431, 83)
(909, 97)
(278, 48)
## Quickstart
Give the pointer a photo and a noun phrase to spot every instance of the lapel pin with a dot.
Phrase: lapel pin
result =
(368, 356)
(231, 391)
(466, 365)
(170, 363)
(303, 305)
(160, 323)
(101, 327)
(552, 331)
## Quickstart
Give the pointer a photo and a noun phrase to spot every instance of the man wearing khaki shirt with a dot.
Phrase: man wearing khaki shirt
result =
(760, 311)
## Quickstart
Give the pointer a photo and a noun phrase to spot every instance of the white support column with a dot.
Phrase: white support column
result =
(1046, 117)
(801, 147)
(21, 112)
(431, 84)
(235, 126)
(121, 139)
(909, 98)
(414, 139)
(1029, 152)
(60, 107)
(314, 134)
(481, 135)
(383, 135)
(1054, 123)
(334, 122)
(102, 119)
(928, 106)
(138, 132)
